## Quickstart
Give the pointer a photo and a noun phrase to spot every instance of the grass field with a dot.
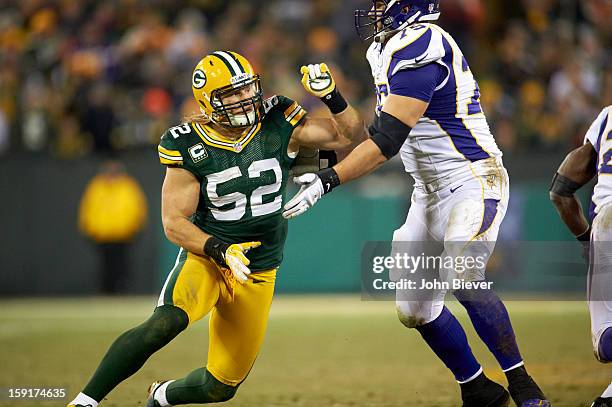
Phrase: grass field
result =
(319, 351)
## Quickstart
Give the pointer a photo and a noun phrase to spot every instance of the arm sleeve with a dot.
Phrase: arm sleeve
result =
(418, 83)
(593, 135)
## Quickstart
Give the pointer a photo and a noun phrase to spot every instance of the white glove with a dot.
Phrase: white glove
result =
(307, 196)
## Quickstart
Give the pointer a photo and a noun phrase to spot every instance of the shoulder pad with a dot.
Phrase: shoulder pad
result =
(414, 47)
(277, 101)
(170, 145)
(177, 132)
(291, 110)
(269, 103)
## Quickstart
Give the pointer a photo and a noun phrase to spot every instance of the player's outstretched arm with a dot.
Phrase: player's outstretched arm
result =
(578, 168)
(343, 130)
(387, 134)
(180, 197)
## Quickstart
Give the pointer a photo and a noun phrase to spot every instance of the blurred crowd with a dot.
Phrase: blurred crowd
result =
(84, 77)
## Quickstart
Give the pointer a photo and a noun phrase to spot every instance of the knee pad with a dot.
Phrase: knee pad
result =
(604, 348)
(218, 392)
(415, 313)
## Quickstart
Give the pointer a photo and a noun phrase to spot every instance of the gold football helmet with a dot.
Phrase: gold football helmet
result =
(227, 89)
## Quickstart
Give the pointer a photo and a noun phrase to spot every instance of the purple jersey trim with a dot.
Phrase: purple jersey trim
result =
(411, 51)
(443, 109)
(592, 205)
(463, 139)
(490, 212)
(604, 122)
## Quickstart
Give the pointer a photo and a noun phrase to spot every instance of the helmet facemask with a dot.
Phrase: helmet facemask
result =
(241, 112)
(370, 23)
(384, 22)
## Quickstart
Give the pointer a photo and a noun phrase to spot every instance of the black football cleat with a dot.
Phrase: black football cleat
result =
(602, 402)
(525, 392)
(483, 392)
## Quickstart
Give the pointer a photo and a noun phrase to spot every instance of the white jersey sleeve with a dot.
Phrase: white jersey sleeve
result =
(593, 135)
(414, 47)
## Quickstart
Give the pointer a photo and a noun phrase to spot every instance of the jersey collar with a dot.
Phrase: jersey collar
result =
(215, 139)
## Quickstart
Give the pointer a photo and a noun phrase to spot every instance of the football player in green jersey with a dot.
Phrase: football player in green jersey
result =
(221, 203)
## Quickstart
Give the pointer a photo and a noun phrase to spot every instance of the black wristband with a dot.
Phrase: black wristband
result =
(329, 178)
(335, 101)
(585, 237)
(216, 248)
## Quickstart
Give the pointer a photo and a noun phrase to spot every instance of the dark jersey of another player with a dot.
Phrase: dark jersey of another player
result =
(243, 181)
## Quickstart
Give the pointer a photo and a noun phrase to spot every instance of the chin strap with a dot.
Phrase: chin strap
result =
(385, 35)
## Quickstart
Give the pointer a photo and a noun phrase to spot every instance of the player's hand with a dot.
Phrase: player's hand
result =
(231, 256)
(585, 241)
(310, 192)
(586, 252)
(237, 261)
(317, 80)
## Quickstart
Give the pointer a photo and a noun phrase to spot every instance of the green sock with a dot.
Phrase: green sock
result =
(200, 386)
(132, 349)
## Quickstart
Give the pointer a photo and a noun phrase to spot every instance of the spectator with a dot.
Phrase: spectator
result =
(101, 59)
(98, 117)
(113, 210)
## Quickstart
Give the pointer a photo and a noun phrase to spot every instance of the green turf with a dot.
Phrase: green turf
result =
(319, 351)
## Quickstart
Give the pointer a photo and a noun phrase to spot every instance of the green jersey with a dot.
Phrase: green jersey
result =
(242, 181)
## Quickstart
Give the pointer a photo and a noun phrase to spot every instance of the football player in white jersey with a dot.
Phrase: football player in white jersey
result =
(593, 158)
(429, 112)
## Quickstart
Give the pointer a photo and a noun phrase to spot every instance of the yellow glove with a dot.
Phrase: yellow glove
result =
(317, 80)
(237, 261)
(231, 256)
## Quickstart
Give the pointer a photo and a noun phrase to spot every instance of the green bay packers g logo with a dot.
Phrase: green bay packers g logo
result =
(199, 79)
